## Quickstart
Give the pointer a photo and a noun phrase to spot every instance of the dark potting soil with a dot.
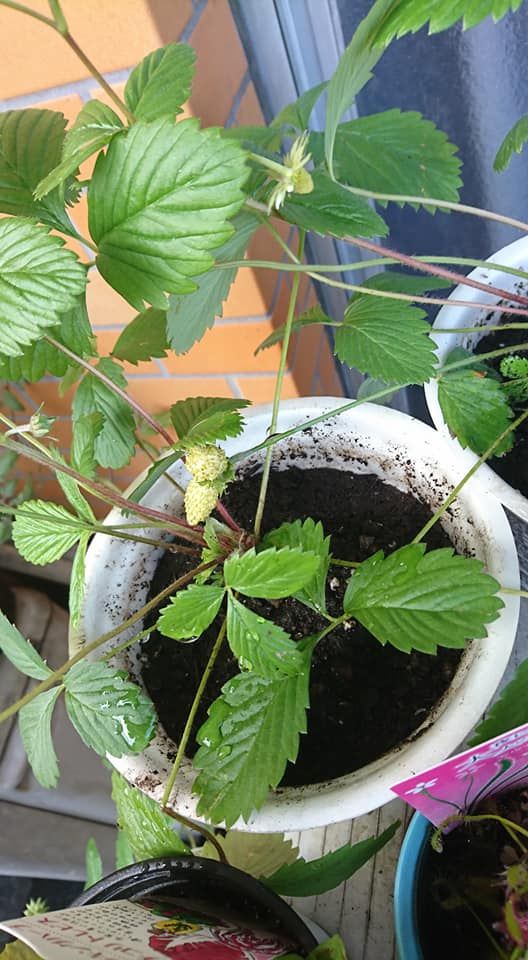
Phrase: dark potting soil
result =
(364, 698)
(512, 466)
(464, 882)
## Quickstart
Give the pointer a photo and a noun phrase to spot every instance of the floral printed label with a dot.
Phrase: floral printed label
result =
(457, 785)
(148, 930)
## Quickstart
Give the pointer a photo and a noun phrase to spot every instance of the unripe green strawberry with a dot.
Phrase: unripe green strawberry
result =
(200, 500)
(206, 462)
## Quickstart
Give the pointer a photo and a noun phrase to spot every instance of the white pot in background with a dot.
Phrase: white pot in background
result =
(455, 318)
(412, 457)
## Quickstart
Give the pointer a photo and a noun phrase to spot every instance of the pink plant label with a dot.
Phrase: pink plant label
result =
(457, 785)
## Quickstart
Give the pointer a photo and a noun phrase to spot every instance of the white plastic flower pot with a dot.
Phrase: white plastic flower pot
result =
(456, 318)
(413, 458)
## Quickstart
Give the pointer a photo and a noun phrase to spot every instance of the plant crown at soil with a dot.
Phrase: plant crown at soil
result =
(153, 171)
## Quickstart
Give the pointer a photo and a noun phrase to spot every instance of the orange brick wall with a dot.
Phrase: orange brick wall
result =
(38, 69)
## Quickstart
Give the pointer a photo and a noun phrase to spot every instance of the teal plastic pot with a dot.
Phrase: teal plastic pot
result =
(406, 883)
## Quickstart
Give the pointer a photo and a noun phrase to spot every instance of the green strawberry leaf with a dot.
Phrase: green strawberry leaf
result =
(123, 851)
(34, 723)
(308, 535)
(419, 601)
(93, 864)
(111, 714)
(161, 82)
(298, 113)
(331, 949)
(408, 16)
(41, 358)
(115, 442)
(30, 146)
(20, 652)
(44, 531)
(39, 281)
(353, 71)
(309, 318)
(259, 644)
(86, 429)
(94, 127)
(388, 339)
(148, 830)
(302, 879)
(475, 408)
(513, 143)
(251, 732)
(259, 854)
(331, 208)
(189, 316)
(206, 419)
(271, 573)
(77, 582)
(508, 712)
(143, 338)
(190, 612)
(154, 473)
(418, 159)
(156, 175)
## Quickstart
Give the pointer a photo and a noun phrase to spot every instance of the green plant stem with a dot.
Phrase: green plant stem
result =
(120, 104)
(192, 714)
(514, 593)
(21, 8)
(277, 168)
(134, 538)
(199, 828)
(344, 563)
(75, 358)
(127, 643)
(277, 237)
(119, 535)
(467, 476)
(487, 933)
(478, 818)
(422, 267)
(416, 298)
(442, 205)
(278, 389)
(358, 264)
(104, 638)
(379, 395)
(490, 329)
(58, 16)
(59, 24)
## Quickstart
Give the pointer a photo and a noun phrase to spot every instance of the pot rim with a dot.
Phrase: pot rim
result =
(513, 255)
(147, 877)
(295, 808)
(405, 888)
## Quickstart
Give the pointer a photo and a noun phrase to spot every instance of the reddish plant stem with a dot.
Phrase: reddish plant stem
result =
(108, 495)
(152, 422)
(224, 513)
(437, 271)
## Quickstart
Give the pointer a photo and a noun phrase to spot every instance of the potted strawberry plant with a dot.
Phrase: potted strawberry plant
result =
(255, 570)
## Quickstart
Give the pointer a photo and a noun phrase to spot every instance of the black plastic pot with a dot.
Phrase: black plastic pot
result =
(203, 883)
